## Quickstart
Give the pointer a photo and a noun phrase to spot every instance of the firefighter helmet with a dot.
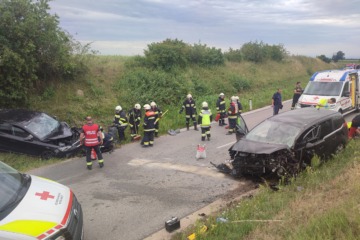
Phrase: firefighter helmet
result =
(118, 108)
(189, 96)
(233, 99)
(153, 104)
(137, 106)
(237, 97)
(221, 94)
(205, 105)
(147, 107)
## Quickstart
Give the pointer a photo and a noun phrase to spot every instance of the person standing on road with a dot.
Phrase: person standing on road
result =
(221, 109)
(277, 102)
(297, 93)
(92, 138)
(158, 114)
(233, 113)
(190, 111)
(134, 120)
(205, 119)
(121, 122)
(149, 126)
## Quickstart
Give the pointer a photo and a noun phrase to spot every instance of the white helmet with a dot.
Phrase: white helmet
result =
(237, 97)
(137, 106)
(221, 94)
(147, 107)
(233, 99)
(205, 104)
(153, 104)
(189, 96)
(118, 108)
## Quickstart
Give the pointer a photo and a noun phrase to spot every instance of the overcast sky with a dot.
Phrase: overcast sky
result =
(126, 27)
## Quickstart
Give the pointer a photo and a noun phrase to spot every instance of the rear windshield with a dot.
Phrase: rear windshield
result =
(323, 88)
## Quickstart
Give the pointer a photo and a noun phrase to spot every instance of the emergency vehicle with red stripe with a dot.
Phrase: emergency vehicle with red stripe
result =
(342, 85)
(32, 207)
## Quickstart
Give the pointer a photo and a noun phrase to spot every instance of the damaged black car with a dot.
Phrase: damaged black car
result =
(36, 133)
(285, 144)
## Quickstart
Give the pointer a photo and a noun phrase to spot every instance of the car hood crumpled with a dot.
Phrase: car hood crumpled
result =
(244, 145)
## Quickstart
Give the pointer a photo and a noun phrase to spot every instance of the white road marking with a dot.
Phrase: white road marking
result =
(227, 144)
(198, 170)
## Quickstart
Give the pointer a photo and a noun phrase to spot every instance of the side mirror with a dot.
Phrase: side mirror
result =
(346, 94)
(29, 138)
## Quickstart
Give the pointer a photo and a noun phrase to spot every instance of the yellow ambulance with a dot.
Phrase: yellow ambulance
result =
(37, 208)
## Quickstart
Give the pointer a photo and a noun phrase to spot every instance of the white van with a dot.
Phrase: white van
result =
(37, 208)
(342, 85)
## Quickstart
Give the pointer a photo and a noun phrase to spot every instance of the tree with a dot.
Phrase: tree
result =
(167, 54)
(338, 56)
(324, 58)
(33, 49)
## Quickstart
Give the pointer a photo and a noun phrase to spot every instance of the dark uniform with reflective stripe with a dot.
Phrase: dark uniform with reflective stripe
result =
(149, 128)
(121, 122)
(221, 109)
(134, 121)
(190, 111)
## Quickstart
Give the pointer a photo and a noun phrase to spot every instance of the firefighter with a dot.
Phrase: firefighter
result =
(233, 112)
(221, 109)
(158, 114)
(149, 126)
(92, 138)
(190, 111)
(134, 116)
(205, 119)
(240, 108)
(121, 122)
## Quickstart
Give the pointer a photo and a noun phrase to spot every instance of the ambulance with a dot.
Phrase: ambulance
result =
(342, 85)
(37, 208)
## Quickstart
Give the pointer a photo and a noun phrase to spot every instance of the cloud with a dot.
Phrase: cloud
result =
(310, 27)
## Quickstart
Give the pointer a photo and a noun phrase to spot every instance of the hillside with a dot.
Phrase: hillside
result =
(106, 86)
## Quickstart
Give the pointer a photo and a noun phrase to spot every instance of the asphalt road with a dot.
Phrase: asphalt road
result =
(140, 188)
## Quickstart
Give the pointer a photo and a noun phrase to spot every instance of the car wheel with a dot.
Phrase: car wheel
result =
(46, 155)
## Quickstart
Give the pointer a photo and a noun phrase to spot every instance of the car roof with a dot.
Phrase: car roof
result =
(17, 116)
(304, 116)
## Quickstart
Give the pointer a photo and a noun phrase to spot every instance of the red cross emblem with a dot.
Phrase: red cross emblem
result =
(44, 195)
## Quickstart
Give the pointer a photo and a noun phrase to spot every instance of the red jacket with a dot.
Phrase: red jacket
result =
(91, 134)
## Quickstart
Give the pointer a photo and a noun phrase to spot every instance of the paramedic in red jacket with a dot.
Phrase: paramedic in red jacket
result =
(90, 137)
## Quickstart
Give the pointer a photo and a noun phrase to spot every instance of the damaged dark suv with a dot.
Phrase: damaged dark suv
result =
(284, 144)
(36, 133)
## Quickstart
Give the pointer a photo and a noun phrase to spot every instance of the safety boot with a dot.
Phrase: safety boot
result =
(89, 167)
(187, 126)
(195, 127)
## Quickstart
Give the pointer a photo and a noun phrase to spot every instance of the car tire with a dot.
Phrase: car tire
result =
(46, 155)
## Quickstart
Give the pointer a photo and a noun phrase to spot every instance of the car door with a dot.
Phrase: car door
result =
(26, 143)
(7, 141)
(241, 128)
